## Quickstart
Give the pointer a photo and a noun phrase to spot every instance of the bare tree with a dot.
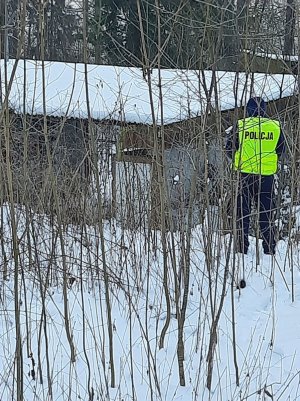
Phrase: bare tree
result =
(289, 34)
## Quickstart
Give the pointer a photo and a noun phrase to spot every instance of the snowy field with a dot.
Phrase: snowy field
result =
(56, 279)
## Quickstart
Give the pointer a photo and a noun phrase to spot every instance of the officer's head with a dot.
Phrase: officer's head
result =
(256, 107)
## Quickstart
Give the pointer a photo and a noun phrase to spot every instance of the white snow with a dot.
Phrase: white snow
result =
(267, 327)
(176, 179)
(122, 93)
(274, 56)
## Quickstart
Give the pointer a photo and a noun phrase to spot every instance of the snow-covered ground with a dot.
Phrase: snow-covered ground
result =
(258, 335)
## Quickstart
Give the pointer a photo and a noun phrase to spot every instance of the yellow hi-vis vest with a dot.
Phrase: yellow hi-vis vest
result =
(258, 138)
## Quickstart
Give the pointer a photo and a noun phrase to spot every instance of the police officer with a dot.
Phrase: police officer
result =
(255, 146)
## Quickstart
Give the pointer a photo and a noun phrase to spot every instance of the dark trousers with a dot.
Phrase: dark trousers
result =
(257, 190)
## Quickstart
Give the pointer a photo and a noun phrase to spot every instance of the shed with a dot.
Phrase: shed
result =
(145, 140)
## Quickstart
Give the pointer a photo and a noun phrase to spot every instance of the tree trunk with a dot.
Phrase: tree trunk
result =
(289, 28)
(98, 36)
(242, 11)
(2, 30)
(133, 36)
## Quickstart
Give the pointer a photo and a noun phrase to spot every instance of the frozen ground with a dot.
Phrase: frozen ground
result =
(62, 276)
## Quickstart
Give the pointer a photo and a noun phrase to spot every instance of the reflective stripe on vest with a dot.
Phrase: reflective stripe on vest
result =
(258, 138)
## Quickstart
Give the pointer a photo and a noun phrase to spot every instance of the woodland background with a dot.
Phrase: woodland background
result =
(191, 34)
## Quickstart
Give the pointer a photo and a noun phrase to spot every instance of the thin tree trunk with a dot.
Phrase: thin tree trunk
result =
(289, 32)
(98, 36)
(95, 164)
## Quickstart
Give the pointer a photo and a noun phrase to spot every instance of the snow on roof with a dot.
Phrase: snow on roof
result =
(274, 56)
(122, 93)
